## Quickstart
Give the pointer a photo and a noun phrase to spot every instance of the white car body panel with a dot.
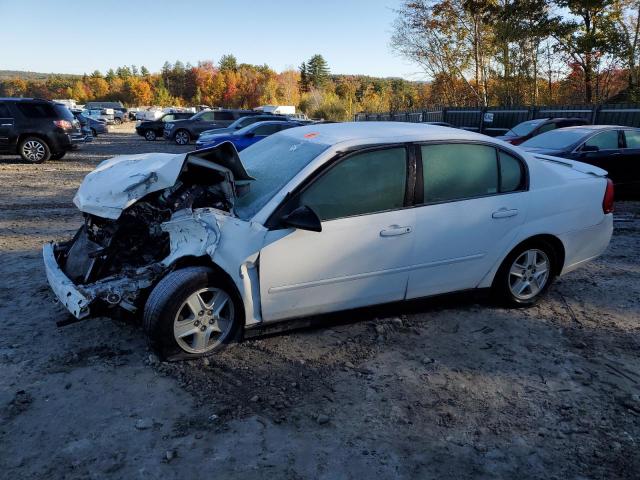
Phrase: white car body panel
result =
(450, 246)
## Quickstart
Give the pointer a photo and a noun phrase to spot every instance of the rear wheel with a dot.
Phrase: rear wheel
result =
(526, 274)
(150, 135)
(34, 150)
(93, 132)
(192, 311)
(182, 137)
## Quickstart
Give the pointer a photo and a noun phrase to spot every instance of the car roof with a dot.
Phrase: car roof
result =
(26, 99)
(380, 132)
(595, 127)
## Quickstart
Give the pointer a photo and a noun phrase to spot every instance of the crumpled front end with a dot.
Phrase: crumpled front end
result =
(132, 235)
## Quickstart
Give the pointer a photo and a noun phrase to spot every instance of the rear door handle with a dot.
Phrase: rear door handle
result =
(505, 213)
(394, 231)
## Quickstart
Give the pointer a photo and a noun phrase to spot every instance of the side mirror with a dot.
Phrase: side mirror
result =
(590, 148)
(303, 218)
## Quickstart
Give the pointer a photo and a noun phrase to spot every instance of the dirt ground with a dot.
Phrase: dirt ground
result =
(450, 388)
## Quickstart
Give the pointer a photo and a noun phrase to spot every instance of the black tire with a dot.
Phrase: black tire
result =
(150, 135)
(117, 121)
(167, 301)
(34, 150)
(93, 132)
(505, 282)
(58, 156)
(182, 137)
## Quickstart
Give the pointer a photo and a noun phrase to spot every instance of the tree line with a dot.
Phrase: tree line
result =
(527, 52)
(470, 52)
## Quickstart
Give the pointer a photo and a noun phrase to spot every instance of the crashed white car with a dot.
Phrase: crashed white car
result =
(323, 218)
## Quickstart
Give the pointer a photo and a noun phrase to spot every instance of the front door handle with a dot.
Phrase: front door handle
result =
(394, 231)
(505, 213)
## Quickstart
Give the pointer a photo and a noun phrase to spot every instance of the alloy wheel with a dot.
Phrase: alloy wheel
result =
(182, 138)
(529, 274)
(34, 151)
(204, 319)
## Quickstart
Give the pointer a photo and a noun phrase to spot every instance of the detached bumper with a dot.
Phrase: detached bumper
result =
(68, 294)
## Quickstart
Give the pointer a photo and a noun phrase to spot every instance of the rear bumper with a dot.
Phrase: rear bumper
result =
(586, 244)
(64, 289)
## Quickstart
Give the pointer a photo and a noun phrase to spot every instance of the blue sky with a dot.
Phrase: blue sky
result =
(70, 36)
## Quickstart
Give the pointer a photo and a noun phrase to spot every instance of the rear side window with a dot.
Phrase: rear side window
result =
(4, 111)
(36, 110)
(632, 136)
(361, 184)
(512, 177)
(224, 116)
(604, 141)
(455, 172)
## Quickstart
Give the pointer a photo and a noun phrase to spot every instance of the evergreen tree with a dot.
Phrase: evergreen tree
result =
(228, 63)
(317, 71)
(304, 78)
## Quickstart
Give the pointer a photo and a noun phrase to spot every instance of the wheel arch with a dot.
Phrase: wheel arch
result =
(553, 240)
(237, 284)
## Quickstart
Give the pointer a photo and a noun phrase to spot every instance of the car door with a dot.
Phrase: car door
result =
(628, 183)
(361, 255)
(7, 127)
(603, 150)
(473, 203)
(206, 121)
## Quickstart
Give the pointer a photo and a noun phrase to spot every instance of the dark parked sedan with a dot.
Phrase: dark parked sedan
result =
(531, 128)
(152, 129)
(613, 148)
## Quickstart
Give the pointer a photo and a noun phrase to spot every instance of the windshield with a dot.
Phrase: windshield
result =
(556, 139)
(273, 162)
(525, 128)
(242, 122)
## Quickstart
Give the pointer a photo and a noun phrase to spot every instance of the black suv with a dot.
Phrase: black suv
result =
(151, 129)
(37, 129)
(183, 131)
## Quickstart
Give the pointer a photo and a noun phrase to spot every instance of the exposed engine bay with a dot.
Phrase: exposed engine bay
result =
(116, 259)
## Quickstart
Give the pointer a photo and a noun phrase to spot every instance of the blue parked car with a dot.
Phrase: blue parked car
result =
(248, 135)
(90, 126)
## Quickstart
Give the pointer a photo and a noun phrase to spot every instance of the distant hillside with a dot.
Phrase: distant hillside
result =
(5, 74)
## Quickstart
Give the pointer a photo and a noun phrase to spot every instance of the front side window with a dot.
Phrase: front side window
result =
(224, 116)
(632, 136)
(207, 117)
(457, 171)
(604, 141)
(363, 183)
(168, 118)
(547, 128)
(266, 130)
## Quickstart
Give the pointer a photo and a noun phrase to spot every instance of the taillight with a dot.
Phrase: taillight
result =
(64, 124)
(607, 201)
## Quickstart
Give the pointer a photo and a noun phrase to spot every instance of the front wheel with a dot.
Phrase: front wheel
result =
(34, 150)
(192, 311)
(150, 135)
(117, 121)
(525, 275)
(182, 137)
(93, 132)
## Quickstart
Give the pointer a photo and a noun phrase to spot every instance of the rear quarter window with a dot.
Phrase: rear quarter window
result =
(224, 116)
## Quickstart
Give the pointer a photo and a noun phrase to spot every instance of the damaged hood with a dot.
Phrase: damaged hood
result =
(119, 182)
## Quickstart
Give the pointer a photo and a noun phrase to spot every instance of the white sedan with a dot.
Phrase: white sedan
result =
(323, 218)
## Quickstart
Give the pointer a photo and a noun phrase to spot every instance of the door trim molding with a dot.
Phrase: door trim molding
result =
(359, 276)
